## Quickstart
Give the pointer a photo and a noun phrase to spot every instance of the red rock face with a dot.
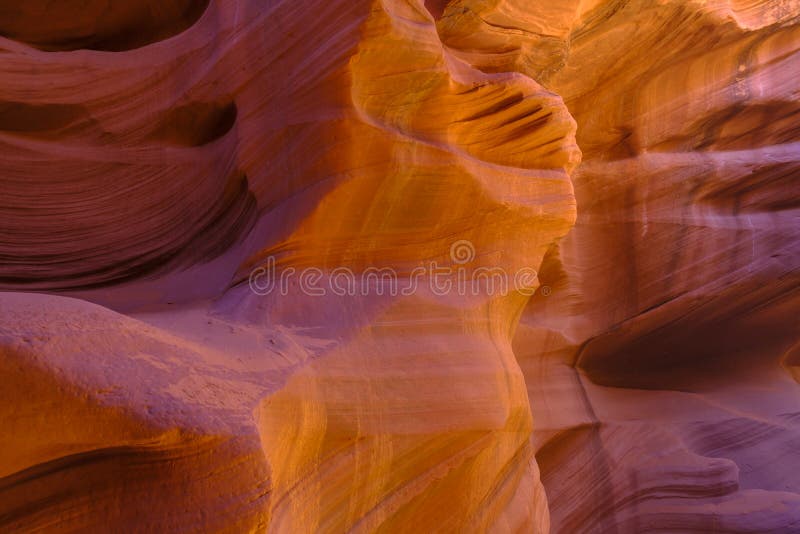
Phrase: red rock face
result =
(398, 265)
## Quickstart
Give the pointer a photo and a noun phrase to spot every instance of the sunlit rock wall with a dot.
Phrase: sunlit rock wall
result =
(175, 177)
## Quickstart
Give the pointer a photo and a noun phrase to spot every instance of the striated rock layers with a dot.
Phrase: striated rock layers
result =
(398, 266)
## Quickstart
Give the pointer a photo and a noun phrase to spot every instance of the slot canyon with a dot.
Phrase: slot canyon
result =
(400, 266)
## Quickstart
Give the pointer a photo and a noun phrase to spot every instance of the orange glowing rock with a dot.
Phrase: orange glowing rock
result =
(399, 265)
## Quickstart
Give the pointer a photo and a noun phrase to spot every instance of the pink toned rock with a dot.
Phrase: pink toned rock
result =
(635, 159)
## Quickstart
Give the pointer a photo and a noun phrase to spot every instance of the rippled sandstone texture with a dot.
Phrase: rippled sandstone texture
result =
(641, 156)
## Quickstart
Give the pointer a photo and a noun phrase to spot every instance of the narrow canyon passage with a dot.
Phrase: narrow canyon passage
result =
(399, 266)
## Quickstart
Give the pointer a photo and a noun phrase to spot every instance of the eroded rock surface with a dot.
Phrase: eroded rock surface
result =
(636, 160)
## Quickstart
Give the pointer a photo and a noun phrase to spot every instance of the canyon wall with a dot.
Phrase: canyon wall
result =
(394, 265)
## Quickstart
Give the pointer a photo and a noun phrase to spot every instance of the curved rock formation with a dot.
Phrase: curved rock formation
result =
(95, 24)
(391, 265)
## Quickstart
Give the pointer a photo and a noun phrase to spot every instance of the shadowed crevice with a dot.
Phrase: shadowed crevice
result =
(197, 123)
(96, 24)
(210, 233)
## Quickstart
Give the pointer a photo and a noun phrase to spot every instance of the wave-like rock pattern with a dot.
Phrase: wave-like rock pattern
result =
(639, 155)
(96, 25)
(677, 288)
